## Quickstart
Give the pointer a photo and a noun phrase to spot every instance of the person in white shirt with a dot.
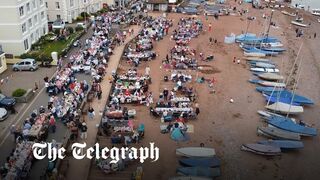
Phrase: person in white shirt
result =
(147, 71)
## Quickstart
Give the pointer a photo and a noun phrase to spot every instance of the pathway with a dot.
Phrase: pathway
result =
(79, 169)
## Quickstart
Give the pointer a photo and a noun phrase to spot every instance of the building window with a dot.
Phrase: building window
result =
(41, 2)
(48, 17)
(34, 5)
(21, 10)
(35, 19)
(84, 1)
(26, 44)
(42, 15)
(46, 4)
(28, 7)
(58, 16)
(57, 5)
(71, 3)
(37, 34)
(44, 30)
(32, 37)
(30, 22)
(24, 28)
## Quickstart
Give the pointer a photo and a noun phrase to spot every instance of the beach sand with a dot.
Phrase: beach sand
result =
(225, 126)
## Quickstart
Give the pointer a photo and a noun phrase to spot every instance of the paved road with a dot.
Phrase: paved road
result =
(41, 98)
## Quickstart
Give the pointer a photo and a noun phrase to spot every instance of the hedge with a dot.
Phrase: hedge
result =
(19, 92)
(44, 57)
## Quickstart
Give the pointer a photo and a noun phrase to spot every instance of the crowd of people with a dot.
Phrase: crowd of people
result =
(140, 49)
(181, 55)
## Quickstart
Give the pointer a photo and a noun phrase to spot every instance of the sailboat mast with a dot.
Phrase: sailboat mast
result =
(295, 86)
(270, 23)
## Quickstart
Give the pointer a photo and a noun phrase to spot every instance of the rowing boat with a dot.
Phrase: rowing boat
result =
(261, 149)
(298, 24)
(271, 76)
(285, 108)
(195, 152)
(288, 14)
(276, 133)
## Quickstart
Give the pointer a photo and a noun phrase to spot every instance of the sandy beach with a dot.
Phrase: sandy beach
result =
(226, 126)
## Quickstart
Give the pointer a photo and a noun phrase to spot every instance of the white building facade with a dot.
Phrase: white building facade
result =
(68, 10)
(22, 23)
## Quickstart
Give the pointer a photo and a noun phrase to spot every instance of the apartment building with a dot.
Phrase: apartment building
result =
(3, 62)
(22, 23)
(67, 10)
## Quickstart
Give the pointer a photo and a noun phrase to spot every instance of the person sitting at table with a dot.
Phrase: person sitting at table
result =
(27, 125)
(127, 92)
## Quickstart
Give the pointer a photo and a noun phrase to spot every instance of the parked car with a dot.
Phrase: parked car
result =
(59, 24)
(190, 10)
(76, 43)
(26, 65)
(3, 114)
(7, 102)
(82, 24)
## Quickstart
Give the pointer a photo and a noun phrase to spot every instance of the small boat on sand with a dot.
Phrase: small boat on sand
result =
(270, 70)
(275, 133)
(291, 96)
(200, 162)
(261, 149)
(264, 65)
(199, 171)
(196, 152)
(268, 89)
(288, 125)
(272, 84)
(254, 54)
(299, 24)
(271, 76)
(315, 12)
(285, 108)
(288, 14)
(257, 59)
(283, 144)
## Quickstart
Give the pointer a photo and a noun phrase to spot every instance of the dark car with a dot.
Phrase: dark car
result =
(7, 102)
(190, 11)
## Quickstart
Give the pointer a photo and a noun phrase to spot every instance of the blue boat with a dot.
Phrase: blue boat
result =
(251, 39)
(273, 99)
(256, 50)
(242, 37)
(288, 95)
(268, 89)
(273, 49)
(288, 125)
(201, 162)
(283, 144)
(199, 171)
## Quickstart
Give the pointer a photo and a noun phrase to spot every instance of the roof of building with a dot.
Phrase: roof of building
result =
(157, 2)
(1, 52)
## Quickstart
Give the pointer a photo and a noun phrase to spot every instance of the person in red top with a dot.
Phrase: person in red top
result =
(210, 27)
(127, 92)
(52, 124)
(213, 80)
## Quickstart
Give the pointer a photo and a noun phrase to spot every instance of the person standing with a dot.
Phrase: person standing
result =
(52, 124)
(314, 35)
(13, 132)
(91, 113)
(83, 130)
(210, 40)
(147, 71)
(210, 27)
(165, 93)
(197, 109)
